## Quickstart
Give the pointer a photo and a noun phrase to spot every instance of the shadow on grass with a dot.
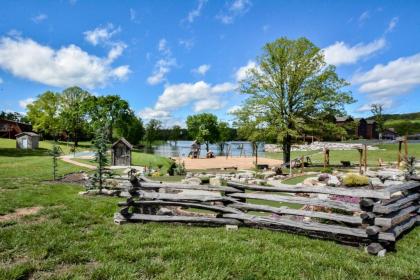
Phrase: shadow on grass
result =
(13, 152)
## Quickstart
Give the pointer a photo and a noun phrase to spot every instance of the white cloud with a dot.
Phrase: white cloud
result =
(186, 43)
(363, 17)
(341, 53)
(243, 71)
(392, 24)
(25, 102)
(234, 9)
(367, 107)
(101, 34)
(202, 69)
(193, 14)
(39, 18)
(150, 113)
(208, 104)
(164, 65)
(386, 81)
(67, 66)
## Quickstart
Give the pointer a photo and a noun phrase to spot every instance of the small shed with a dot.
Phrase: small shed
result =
(121, 153)
(27, 140)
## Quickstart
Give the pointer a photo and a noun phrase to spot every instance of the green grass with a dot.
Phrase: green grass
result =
(74, 237)
(388, 153)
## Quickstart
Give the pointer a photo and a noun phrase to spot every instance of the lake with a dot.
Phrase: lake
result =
(183, 148)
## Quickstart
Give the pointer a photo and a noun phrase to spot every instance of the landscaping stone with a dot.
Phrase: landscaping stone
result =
(375, 182)
(165, 211)
(333, 181)
(268, 174)
(192, 181)
(214, 181)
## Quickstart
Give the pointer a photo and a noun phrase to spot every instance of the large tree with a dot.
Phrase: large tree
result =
(377, 112)
(225, 134)
(203, 128)
(292, 89)
(43, 114)
(73, 115)
(175, 133)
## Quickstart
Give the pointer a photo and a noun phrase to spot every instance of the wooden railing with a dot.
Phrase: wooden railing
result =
(373, 217)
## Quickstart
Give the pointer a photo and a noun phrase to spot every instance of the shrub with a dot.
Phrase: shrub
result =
(355, 180)
(328, 170)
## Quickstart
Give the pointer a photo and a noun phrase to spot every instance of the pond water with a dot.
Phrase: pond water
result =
(183, 148)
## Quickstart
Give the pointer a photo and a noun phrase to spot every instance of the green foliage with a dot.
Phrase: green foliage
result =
(355, 180)
(175, 133)
(410, 166)
(13, 116)
(377, 112)
(100, 146)
(328, 170)
(203, 128)
(404, 127)
(44, 114)
(292, 91)
(152, 131)
(55, 152)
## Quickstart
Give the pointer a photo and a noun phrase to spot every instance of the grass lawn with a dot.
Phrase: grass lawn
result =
(74, 237)
(388, 153)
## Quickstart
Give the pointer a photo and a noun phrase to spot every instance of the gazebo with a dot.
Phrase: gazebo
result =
(121, 153)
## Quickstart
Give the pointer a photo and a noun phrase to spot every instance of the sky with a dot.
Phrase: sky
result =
(171, 59)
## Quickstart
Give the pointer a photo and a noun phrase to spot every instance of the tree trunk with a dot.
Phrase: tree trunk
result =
(287, 147)
(207, 146)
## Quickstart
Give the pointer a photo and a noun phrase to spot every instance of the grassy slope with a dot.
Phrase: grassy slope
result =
(74, 237)
(387, 152)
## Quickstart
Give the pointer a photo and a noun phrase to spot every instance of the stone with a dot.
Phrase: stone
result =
(231, 227)
(214, 181)
(165, 211)
(382, 253)
(268, 174)
(375, 182)
(323, 177)
(192, 181)
(311, 181)
(333, 181)
(389, 183)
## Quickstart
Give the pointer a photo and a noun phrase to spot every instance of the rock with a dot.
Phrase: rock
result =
(375, 182)
(382, 253)
(277, 170)
(311, 181)
(268, 174)
(323, 177)
(231, 227)
(214, 181)
(389, 183)
(333, 181)
(165, 211)
(192, 181)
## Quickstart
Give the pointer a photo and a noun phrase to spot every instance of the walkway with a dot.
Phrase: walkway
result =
(222, 162)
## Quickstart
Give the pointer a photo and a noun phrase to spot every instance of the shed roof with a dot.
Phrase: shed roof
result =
(343, 119)
(123, 140)
(33, 134)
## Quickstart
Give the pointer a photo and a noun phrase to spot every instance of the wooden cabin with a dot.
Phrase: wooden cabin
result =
(9, 129)
(121, 153)
(27, 140)
(366, 128)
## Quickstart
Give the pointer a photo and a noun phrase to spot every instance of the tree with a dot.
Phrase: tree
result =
(152, 131)
(224, 134)
(175, 133)
(292, 90)
(203, 128)
(377, 111)
(100, 145)
(12, 116)
(131, 129)
(109, 110)
(74, 112)
(43, 114)
(55, 152)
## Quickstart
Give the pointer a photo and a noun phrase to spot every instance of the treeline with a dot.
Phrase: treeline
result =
(403, 124)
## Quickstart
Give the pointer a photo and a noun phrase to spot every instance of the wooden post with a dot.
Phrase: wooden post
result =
(256, 154)
(365, 157)
(399, 153)
(326, 157)
(302, 163)
(360, 159)
(405, 148)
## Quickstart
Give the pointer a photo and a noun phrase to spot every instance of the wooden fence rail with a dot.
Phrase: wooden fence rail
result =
(373, 217)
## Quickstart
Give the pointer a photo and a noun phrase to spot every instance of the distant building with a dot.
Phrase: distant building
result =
(27, 140)
(389, 134)
(9, 129)
(366, 128)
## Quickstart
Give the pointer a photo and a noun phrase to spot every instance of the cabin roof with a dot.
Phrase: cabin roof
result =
(343, 119)
(27, 133)
(123, 140)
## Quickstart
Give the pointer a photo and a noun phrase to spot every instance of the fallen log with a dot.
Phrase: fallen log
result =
(176, 219)
(386, 209)
(397, 217)
(301, 200)
(288, 211)
(179, 186)
(310, 228)
(183, 197)
(215, 208)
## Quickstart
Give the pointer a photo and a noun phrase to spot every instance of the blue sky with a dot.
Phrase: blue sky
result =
(170, 59)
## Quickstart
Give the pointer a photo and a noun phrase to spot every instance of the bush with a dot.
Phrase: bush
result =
(355, 180)
(328, 170)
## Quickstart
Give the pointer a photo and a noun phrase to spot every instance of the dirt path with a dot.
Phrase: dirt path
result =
(223, 162)
(68, 159)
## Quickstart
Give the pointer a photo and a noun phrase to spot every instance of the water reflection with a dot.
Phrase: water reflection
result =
(183, 148)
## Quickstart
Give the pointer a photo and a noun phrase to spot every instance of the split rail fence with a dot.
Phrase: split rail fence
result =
(373, 217)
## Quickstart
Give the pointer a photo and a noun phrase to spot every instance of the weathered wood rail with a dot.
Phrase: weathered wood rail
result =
(358, 216)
